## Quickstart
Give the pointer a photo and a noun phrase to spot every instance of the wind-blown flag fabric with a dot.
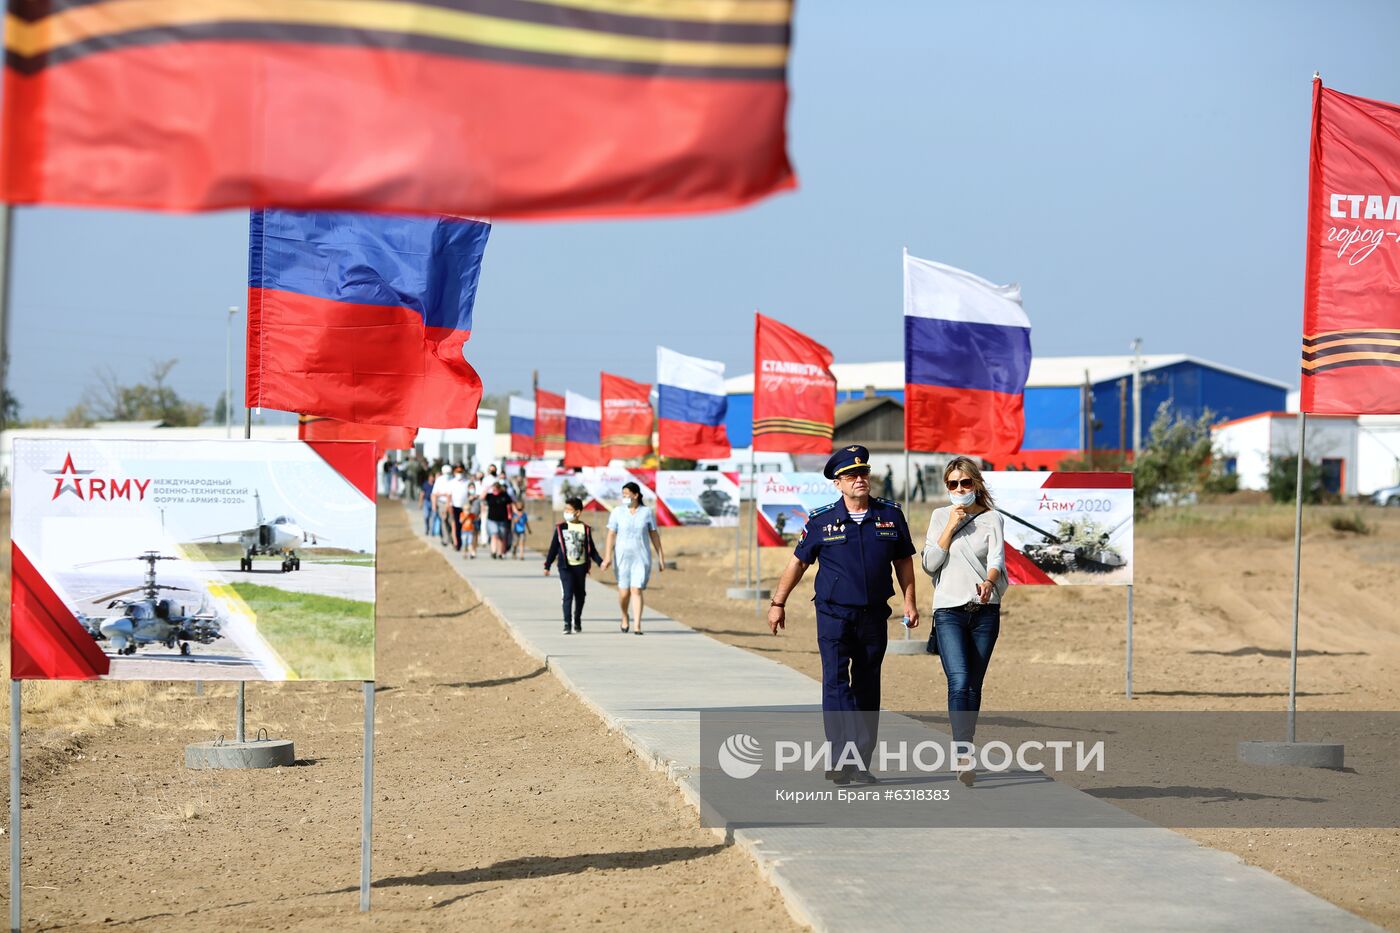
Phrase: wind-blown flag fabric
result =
(794, 392)
(316, 428)
(1351, 301)
(581, 425)
(363, 317)
(499, 108)
(967, 355)
(522, 426)
(691, 405)
(627, 418)
(549, 423)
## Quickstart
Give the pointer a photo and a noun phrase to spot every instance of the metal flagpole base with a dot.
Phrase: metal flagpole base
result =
(747, 592)
(1292, 754)
(264, 753)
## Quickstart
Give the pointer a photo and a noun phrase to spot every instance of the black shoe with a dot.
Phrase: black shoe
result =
(567, 630)
(578, 627)
(865, 777)
(839, 776)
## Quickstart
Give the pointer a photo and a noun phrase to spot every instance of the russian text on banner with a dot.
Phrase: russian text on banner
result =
(1351, 315)
(549, 424)
(691, 406)
(627, 418)
(967, 354)
(363, 317)
(522, 426)
(794, 392)
(384, 438)
(582, 417)
(479, 107)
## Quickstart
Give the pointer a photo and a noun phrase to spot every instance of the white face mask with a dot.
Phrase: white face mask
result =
(962, 498)
(570, 516)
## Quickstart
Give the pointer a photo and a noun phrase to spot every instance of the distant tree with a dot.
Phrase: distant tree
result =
(109, 400)
(9, 409)
(220, 416)
(1175, 462)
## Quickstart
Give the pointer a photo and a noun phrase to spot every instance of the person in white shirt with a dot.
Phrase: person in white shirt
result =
(442, 504)
(964, 553)
(459, 492)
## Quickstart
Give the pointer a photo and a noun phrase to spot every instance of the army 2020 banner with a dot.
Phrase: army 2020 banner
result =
(1060, 528)
(192, 560)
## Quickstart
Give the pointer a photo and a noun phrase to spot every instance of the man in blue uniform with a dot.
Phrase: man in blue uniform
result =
(854, 541)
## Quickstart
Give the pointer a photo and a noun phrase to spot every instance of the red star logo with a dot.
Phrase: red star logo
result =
(66, 479)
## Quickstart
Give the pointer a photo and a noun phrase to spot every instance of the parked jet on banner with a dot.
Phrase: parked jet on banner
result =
(278, 537)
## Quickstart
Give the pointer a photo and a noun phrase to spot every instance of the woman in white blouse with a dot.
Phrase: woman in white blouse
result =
(963, 552)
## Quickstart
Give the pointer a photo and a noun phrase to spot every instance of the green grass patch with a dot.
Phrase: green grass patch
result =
(320, 637)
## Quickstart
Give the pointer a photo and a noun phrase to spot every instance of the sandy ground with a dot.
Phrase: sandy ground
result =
(1213, 609)
(501, 802)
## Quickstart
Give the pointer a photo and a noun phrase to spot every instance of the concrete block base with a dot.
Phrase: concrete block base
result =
(907, 646)
(1293, 754)
(268, 753)
(747, 592)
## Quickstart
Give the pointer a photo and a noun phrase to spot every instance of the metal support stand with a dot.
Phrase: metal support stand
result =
(1291, 751)
(14, 806)
(752, 588)
(242, 732)
(367, 798)
(1128, 690)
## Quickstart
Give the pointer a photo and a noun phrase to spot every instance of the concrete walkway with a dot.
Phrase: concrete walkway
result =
(652, 689)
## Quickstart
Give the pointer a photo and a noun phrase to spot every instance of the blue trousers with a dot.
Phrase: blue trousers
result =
(965, 641)
(852, 643)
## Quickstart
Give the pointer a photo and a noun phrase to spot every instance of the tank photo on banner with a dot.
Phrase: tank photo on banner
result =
(1066, 528)
(193, 560)
(698, 497)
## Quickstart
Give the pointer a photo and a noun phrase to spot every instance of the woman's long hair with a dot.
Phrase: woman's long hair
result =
(971, 469)
(635, 490)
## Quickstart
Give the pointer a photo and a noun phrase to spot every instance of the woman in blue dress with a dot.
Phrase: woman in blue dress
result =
(631, 536)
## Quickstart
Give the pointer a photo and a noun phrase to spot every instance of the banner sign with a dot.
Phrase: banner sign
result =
(698, 497)
(192, 560)
(1061, 528)
(600, 488)
(539, 478)
(1066, 528)
(784, 500)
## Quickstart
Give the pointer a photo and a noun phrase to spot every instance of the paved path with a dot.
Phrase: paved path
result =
(652, 689)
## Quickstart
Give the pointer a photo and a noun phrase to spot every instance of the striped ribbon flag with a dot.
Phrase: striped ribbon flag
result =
(627, 418)
(794, 392)
(500, 108)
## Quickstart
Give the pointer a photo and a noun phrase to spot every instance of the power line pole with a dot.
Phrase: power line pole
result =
(1137, 396)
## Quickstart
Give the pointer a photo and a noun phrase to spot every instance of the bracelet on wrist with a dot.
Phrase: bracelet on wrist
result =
(774, 602)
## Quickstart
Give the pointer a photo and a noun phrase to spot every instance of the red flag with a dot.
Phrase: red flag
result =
(549, 423)
(313, 428)
(627, 418)
(794, 392)
(508, 108)
(1351, 313)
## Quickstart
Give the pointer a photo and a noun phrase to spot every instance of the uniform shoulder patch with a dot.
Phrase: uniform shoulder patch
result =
(888, 502)
(820, 509)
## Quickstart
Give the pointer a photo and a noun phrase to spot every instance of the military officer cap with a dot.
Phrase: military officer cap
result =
(847, 459)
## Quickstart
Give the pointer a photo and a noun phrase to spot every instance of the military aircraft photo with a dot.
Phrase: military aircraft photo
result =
(278, 537)
(150, 618)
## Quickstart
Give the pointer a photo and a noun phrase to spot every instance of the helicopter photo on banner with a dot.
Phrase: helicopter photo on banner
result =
(193, 560)
(1066, 528)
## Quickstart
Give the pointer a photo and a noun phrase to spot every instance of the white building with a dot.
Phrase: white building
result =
(1247, 444)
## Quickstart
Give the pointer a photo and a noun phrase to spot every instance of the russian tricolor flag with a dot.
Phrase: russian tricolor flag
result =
(583, 420)
(967, 354)
(522, 426)
(363, 317)
(691, 405)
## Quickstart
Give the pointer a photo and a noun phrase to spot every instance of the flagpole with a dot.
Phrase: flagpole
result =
(1297, 575)
(7, 242)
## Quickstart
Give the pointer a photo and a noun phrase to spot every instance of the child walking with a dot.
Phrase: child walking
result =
(572, 545)
(519, 529)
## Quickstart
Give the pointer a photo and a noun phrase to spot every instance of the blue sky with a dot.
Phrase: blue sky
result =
(1140, 168)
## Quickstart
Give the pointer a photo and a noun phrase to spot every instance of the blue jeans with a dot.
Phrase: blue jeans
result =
(965, 641)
